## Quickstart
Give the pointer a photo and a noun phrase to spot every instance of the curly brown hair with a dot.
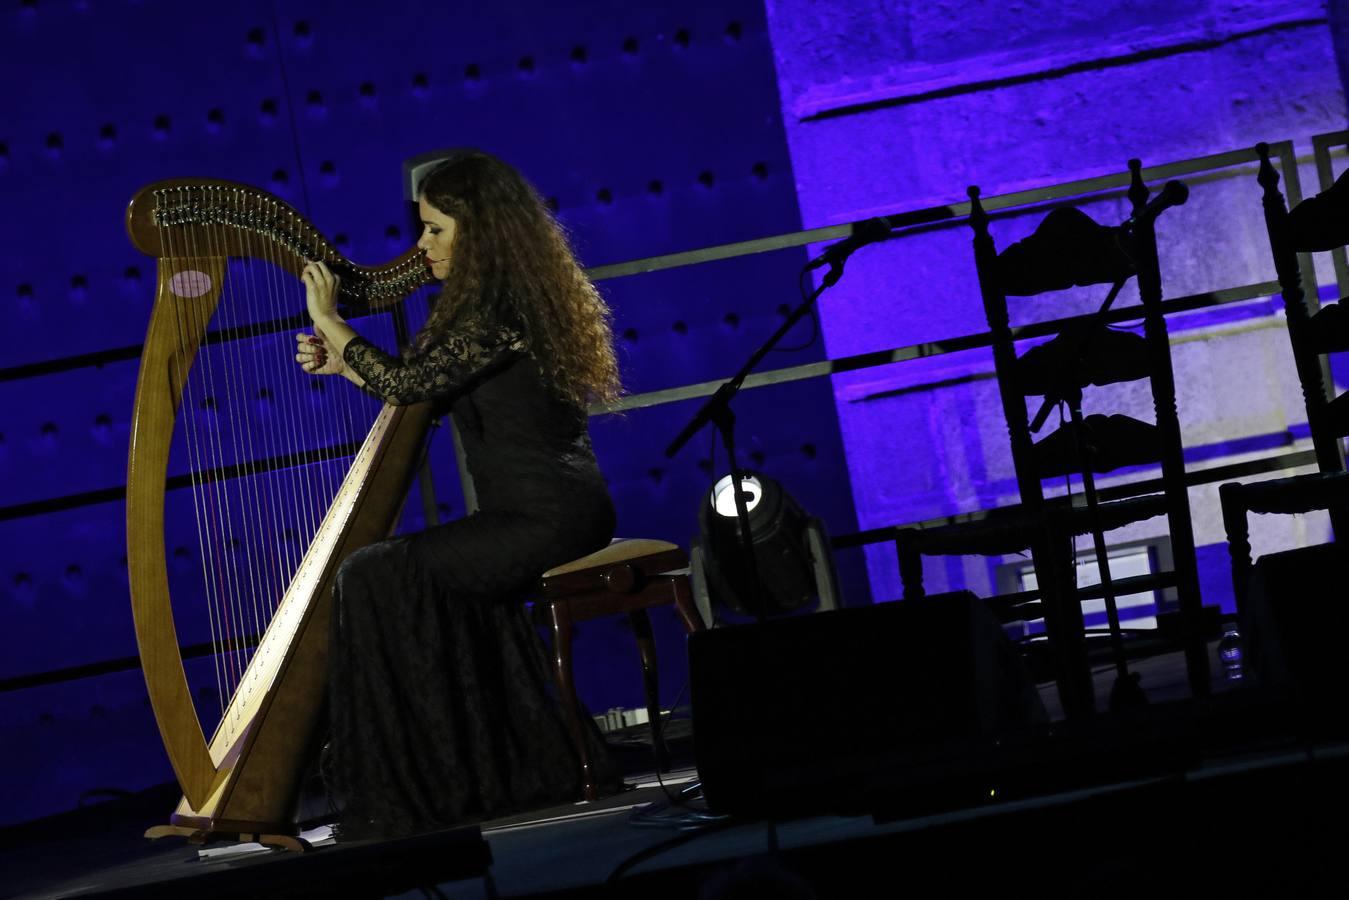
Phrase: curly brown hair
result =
(512, 264)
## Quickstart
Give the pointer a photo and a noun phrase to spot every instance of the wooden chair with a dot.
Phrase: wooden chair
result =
(628, 576)
(1316, 224)
(1069, 249)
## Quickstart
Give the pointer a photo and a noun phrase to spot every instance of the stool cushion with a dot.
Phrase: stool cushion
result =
(619, 551)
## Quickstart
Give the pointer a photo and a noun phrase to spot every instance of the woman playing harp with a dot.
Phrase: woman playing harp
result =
(439, 693)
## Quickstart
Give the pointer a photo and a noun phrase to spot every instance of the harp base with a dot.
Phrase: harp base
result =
(209, 832)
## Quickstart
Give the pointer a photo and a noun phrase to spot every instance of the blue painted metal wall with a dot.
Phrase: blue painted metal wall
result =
(654, 127)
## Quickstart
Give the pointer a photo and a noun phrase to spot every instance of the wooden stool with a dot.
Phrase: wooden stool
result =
(627, 576)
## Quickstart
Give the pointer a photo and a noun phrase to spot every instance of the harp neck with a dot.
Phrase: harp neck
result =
(189, 218)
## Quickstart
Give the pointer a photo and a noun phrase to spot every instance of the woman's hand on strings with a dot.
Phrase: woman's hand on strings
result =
(320, 291)
(313, 355)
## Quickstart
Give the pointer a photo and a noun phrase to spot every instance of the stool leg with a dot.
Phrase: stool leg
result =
(684, 605)
(560, 616)
(646, 645)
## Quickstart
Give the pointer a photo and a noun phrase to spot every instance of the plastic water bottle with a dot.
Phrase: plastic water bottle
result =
(1229, 651)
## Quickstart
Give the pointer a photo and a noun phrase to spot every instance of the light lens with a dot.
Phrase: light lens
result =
(723, 498)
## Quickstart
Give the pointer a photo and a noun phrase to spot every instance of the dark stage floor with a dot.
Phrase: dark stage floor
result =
(1233, 793)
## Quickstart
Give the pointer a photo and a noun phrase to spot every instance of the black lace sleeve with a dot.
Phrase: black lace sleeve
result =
(444, 368)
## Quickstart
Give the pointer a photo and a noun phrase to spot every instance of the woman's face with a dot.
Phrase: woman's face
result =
(437, 238)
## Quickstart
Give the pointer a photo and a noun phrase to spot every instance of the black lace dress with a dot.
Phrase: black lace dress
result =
(442, 704)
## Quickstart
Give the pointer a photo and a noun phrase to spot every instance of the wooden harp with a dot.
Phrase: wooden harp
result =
(224, 252)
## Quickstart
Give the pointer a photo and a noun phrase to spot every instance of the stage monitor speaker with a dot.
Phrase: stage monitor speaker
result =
(823, 713)
(1294, 629)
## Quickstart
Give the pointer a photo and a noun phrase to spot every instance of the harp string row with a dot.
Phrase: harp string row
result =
(175, 245)
(244, 526)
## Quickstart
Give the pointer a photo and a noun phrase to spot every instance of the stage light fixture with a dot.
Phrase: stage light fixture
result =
(791, 552)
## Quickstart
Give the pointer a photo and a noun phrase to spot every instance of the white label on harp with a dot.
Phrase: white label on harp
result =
(190, 283)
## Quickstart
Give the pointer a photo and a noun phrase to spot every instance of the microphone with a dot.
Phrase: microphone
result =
(1173, 193)
(867, 232)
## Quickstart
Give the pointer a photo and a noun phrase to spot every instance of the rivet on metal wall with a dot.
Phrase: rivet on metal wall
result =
(734, 31)
(102, 429)
(757, 457)
(280, 177)
(267, 111)
(215, 120)
(706, 178)
(304, 35)
(656, 474)
(579, 55)
(421, 83)
(257, 39)
(605, 196)
(681, 37)
(79, 288)
(784, 310)
(314, 100)
(473, 72)
(808, 450)
(630, 46)
(526, 65)
(680, 327)
(28, 6)
(131, 275)
(655, 187)
(341, 239)
(55, 143)
(705, 465)
(760, 170)
(107, 136)
(4, 157)
(328, 170)
(162, 127)
(630, 335)
(367, 91)
(731, 320)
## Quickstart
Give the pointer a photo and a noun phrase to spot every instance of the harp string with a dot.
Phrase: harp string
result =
(219, 511)
(243, 538)
(188, 405)
(245, 404)
(259, 575)
(225, 421)
(280, 551)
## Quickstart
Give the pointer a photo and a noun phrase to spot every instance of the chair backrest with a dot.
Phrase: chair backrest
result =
(1299, 309)
(1068, 249)
(1080, 252)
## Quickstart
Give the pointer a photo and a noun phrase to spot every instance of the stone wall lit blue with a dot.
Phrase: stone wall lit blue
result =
(893, 106)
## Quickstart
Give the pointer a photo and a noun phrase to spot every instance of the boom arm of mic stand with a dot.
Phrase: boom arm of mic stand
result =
(729, 388)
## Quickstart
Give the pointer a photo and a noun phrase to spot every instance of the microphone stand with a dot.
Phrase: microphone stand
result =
(717, 410)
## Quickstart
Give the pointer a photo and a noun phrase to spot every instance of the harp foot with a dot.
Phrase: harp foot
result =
(286, 842)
